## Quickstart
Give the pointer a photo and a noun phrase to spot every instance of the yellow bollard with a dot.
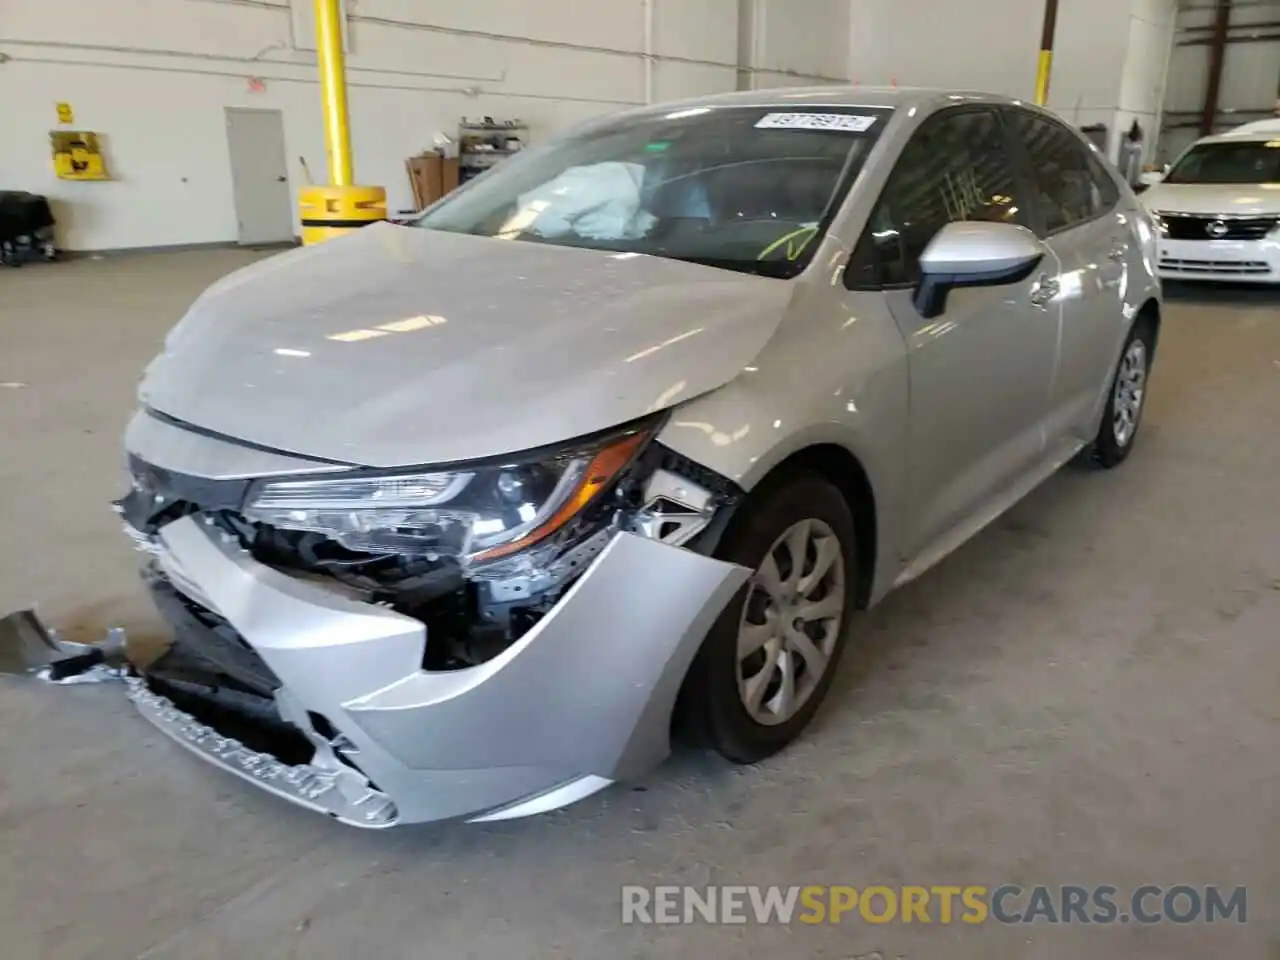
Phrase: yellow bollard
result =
(329, 212)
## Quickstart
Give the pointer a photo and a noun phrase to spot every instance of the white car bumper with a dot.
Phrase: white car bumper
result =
(1238, 261)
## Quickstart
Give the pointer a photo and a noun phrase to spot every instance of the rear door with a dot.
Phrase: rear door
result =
(1080, 217)
(978, 372)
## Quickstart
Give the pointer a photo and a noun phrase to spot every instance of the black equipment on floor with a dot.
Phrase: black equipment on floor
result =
(26, 228)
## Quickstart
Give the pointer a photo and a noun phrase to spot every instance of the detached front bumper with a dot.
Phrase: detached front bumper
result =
(581, 700)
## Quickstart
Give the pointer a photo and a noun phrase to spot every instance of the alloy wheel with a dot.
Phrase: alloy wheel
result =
(791, 622)
(1130, 391)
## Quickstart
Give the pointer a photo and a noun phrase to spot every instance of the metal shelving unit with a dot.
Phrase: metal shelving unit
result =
(484, 145)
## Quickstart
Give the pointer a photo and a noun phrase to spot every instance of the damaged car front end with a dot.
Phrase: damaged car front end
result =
(483, 640)
(438, 512)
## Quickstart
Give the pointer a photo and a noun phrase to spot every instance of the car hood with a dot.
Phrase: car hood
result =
(1208, 199)
(397, 345)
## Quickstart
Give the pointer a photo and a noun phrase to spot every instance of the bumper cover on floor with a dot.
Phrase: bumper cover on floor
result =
(583, 699)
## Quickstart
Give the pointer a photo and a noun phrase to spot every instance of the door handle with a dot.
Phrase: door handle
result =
(282, 179)
(1046, 289)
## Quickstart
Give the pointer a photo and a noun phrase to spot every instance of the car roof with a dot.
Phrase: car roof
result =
(830, 96)
(1258, 130)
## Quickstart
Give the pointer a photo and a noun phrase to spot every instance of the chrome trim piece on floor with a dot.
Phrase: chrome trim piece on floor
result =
(342, 794)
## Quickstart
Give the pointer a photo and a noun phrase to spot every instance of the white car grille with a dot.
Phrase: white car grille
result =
(1225, 268)
(1186, 226)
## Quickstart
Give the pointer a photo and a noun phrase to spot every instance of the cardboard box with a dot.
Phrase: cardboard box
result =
(431, 176)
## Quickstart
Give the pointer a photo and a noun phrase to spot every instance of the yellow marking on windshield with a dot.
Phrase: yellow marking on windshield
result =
(793, 250)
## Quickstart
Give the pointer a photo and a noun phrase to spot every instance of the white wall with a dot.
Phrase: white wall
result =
(1145, 75)
(1109, 55)
(154, 76)
(800, 41)
(986, 45)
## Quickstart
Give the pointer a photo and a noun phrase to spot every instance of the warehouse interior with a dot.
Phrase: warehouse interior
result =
(1086, 693)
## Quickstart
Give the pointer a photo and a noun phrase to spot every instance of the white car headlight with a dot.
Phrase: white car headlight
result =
(477, 514)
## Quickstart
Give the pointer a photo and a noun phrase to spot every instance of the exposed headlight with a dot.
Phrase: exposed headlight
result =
(1161, 226)
(476, 514)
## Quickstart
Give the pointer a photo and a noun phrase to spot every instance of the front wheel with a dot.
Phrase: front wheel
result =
(1123, 414)
(769, 660)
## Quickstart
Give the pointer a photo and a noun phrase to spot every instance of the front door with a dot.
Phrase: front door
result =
(980, 371)
(259, 176)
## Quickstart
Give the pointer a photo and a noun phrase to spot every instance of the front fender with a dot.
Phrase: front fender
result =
(845, 385)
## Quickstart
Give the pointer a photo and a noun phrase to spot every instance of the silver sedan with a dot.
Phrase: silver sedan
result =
(463, 517)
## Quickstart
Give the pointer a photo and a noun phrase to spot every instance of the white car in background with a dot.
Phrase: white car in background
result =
(1218, 208)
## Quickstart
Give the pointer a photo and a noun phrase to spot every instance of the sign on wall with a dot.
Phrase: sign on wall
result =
(65, 114)
(77, 155)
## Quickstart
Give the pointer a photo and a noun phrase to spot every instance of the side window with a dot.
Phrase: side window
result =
(956, 167)
(1069, 187)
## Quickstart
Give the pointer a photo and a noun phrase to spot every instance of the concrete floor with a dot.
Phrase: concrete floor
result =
(1088, 693)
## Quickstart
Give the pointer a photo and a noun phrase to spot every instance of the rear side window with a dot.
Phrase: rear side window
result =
(956, 167)
(1071, 186)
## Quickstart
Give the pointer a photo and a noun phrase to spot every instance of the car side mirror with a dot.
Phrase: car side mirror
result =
(974, 253)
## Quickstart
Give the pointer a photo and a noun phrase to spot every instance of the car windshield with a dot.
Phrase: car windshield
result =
(1249, 161)
(743, 188)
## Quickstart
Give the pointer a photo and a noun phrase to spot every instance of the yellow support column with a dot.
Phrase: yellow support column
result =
(1044, 64)
(341, 206)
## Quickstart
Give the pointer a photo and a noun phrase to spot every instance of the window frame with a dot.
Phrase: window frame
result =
(1019, 168)
(1094, 164)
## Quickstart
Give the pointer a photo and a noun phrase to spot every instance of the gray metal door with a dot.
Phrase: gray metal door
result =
(259, 176)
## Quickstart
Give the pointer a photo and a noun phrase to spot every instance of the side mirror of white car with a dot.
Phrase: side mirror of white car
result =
(1149, 178)
(974, 253)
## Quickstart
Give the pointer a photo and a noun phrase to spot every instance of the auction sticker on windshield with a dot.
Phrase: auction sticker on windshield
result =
(845, 122)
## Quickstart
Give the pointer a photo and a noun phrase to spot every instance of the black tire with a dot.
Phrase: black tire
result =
(1108, 450)
(710, 708)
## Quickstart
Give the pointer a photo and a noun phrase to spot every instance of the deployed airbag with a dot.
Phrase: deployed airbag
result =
(599, 202)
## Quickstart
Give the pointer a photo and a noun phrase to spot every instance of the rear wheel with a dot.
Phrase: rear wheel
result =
(1123, 414)
(769, 660)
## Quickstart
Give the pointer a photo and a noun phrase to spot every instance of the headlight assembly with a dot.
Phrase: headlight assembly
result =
(476, 514)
